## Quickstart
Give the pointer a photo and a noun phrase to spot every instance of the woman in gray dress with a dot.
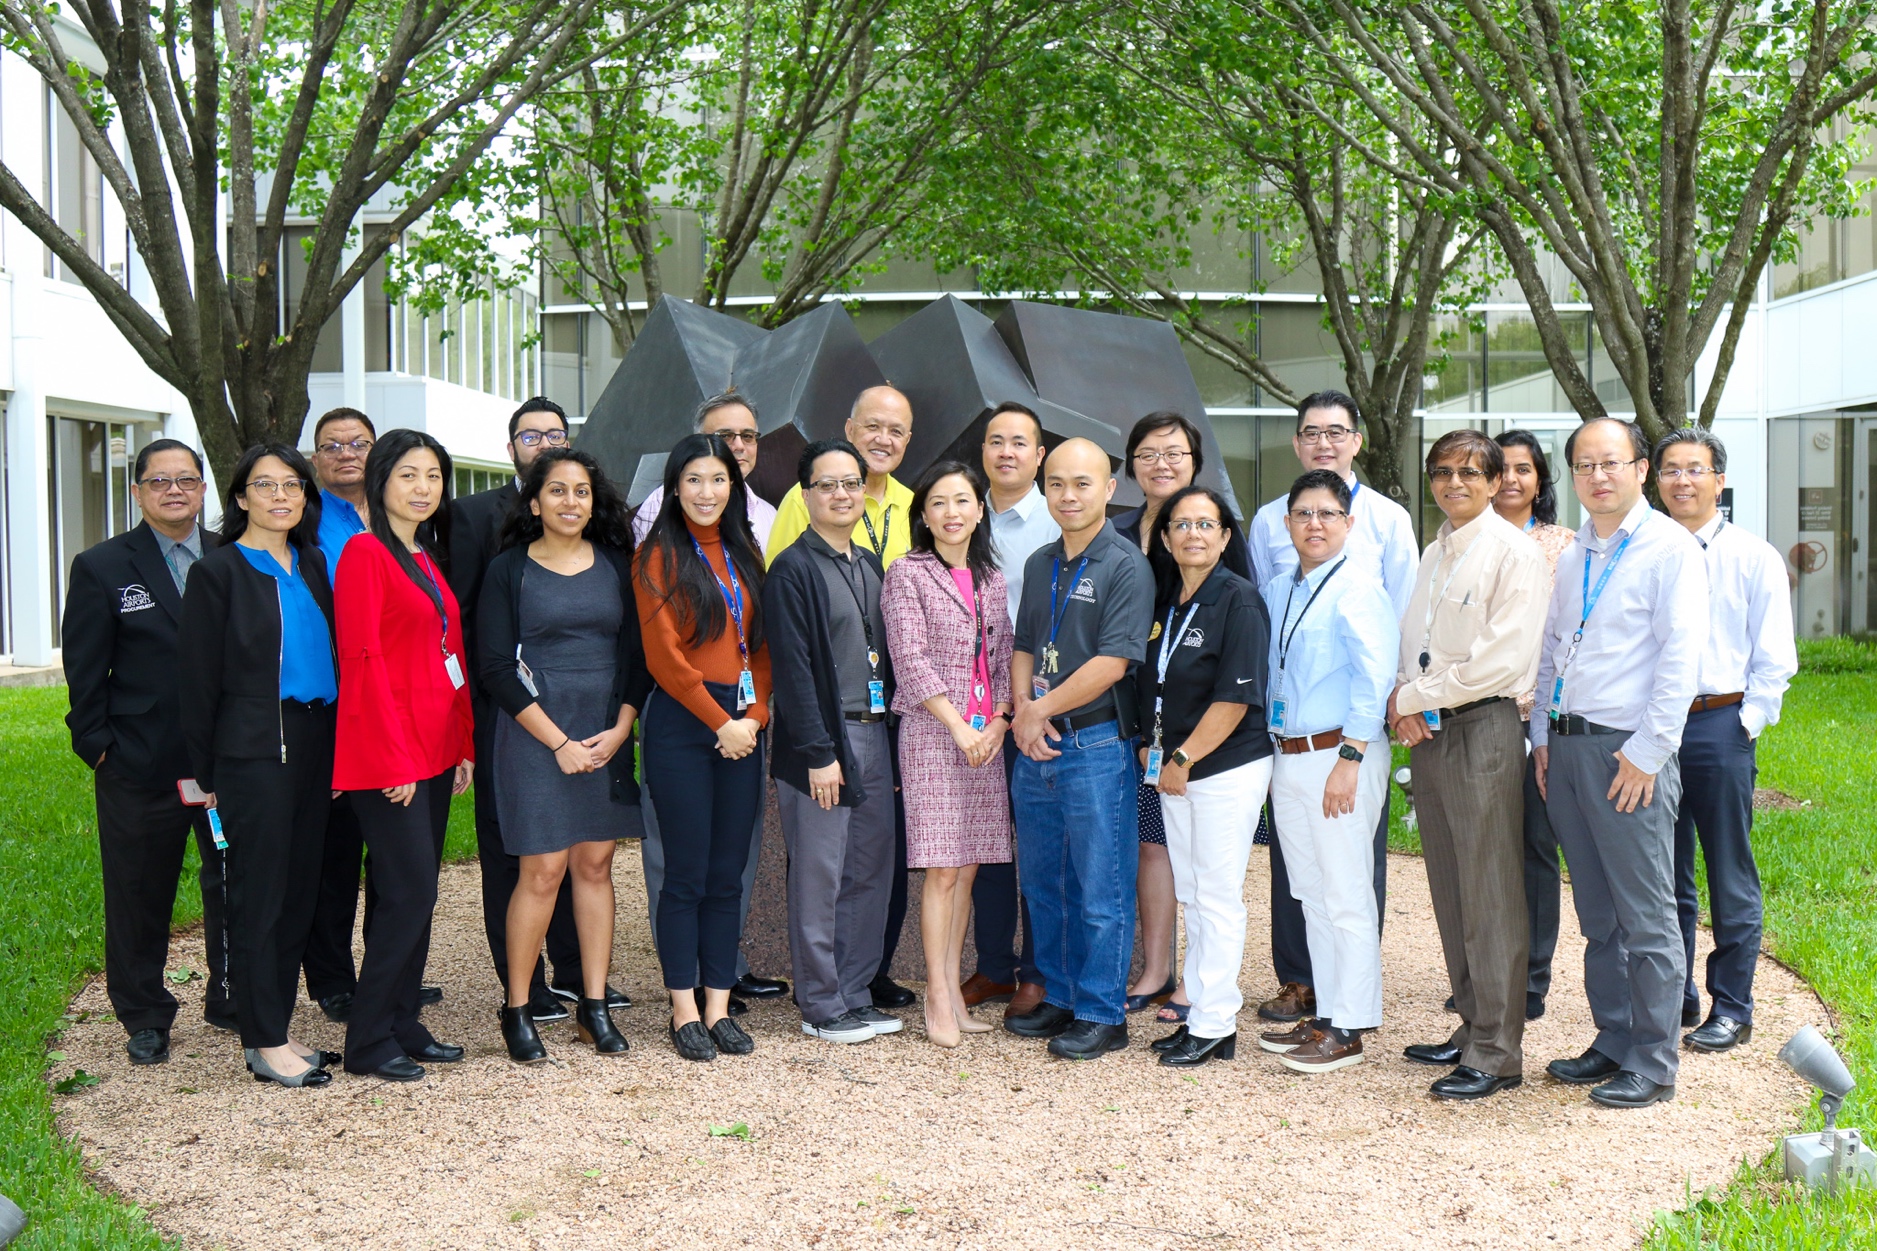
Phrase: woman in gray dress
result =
(560, 655)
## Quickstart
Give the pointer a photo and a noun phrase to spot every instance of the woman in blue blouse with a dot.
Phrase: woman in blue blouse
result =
(258, 688)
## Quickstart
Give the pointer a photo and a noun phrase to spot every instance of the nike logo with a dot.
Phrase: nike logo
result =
(1242, 681)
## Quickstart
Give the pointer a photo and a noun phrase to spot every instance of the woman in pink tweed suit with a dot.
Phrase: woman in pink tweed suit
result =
(948, 633)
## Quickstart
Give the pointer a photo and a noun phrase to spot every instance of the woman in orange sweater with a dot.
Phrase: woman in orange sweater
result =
(699, 599)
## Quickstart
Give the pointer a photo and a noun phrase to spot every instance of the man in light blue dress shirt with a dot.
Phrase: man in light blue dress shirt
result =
(1618, 667)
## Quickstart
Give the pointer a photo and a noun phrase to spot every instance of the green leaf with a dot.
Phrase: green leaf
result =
(78, 1081)
(740, 1131)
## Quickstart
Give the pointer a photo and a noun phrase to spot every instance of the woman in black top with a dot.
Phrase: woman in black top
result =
(259, 682)
(1207, 753)
(559, 653)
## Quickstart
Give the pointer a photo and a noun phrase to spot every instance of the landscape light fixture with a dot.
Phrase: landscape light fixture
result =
(12, 1220)
(1832, 1157)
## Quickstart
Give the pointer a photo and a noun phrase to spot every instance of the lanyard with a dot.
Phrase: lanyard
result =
(436, 600)
(1531, 523)
(732, 595)
(1591, 597)
(1434, 597)
(878, 541)
(1055, 582)
(1717, 534)
(980, 668)
(859, 573)
(1168, 641)
(1283, 639)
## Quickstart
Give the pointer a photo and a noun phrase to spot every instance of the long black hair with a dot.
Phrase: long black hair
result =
(611, 523)
(694, 587)
(433, 536)
(980, 551)
(1167, 580)
(1545, 506)
(305, 533)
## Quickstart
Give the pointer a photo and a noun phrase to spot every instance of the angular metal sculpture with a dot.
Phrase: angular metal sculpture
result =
(803, 378)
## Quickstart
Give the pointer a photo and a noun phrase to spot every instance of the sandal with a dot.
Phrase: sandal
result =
(1173, 1013)
(1139, 1003)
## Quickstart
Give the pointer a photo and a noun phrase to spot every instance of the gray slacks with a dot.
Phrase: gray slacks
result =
(1623, 881)
(1469, 789)
(840, 879)
(652, 858)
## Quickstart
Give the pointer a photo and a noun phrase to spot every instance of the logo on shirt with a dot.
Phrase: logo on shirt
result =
(1195, 637)
(134, 598)
(1153, 633)
(1085, 591)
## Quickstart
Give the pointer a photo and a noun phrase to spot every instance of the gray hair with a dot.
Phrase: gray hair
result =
(723, 399)
(1698, 436)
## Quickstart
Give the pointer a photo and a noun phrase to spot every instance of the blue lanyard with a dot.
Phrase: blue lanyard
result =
(1055, 580)
(1531, 522)
(1591, 597)
(732, 595)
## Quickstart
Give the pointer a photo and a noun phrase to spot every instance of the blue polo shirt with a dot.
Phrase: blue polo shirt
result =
(306, 668)
(338, 521)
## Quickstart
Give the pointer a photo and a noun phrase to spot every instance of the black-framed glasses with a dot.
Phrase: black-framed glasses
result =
(1468, 474)
(292, 488)
(1324, 434)
(736, 437)
(188, 484)
(1174, 456)
(535, 438)
(357, 447)
(1584, 468)
(830, 486)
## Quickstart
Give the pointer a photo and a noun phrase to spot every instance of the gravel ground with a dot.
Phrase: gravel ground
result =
(900, 1143)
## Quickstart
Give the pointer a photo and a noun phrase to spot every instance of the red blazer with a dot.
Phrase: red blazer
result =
(401, 719)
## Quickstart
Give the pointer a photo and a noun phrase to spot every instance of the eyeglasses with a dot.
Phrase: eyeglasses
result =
(1174, 456)
(1446, 473)
(358, 447)
(1205, 525)
(292, 488)
(187, 484)
(1694, 474)
(1304, 516)
(1584, 468)
(535, 438)
(1324, 434)
(832, 486)
(738, 436)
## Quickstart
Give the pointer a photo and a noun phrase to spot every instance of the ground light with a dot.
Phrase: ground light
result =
(1832, 1157)
(12, 1220)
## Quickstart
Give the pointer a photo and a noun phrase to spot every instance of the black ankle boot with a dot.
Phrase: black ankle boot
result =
(524, 1044)
(594, 1023)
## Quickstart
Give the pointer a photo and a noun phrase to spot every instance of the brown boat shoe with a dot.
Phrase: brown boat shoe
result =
(1293, 1002)
(1280, 1041)
(1323, 1054)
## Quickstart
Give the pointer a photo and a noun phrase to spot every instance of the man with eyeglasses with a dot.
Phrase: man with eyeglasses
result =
(1381, 547)
(1749, 660)
(732, 418)
(342, 442)
(123, 603)
(1618, 667)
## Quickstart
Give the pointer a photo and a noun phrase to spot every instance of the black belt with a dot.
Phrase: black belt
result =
(300, 705)
(1571, 723)
(1084, 720)
(864, 718)
(1448, 713)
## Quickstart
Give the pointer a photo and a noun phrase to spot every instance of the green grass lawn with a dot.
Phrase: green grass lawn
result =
(1819, 865)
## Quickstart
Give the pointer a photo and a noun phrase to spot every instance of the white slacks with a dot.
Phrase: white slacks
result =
(1332, 874)
(1209, 831)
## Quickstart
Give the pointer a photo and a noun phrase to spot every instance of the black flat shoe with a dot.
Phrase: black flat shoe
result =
(737, 1006)
(1440, 1055)
(616, 999)
(1045, 1020)
(1164, 1045)
(338, 1008)
(1720, 1033)
(546, 1008)
(1534, 1007)
(326, 1059)
(438, 1053)
(1194, 1051)
(1631, 1090)
(148, 1046)
(888, 993)
(730, 1038)
(519, 1036)
(1586, 1070)
(1466, 1083)
(752, 987)
(692, 1040)
(312, 1075)
(1450, 1006)
(399, 1069)
(594, 1024)
(1087, 1040)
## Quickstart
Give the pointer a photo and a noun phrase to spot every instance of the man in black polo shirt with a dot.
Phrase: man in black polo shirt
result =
(1088, 602)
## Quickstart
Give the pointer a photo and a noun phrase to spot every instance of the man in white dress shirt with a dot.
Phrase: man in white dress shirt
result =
(1381, 547)
(1749, 660)
(1617, 669)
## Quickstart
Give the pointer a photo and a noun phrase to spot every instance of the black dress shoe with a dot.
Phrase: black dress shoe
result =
(1440, 1055)
(692, 1040)
(1631, 1090)
(437, 1053)
(148, 1046)
(752, 987)
(1720, 1033)
(1586, 1070)
(888, 993)
(1164, 1045)
(429, 995)
(1450, 1006)
(1194, 1051)
(1045, 1020)
(737, 1006)
(400, 1069)
(519, 1036)
(222, 1016)
(1086, 1040)
(1534, 1006)
(574, 993)
(1690, 1015)
(338, 1008)
(546, 1008)
(1466, 1083)
(593, 1022)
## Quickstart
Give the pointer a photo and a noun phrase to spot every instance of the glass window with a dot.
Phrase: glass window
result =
(90, 491)
(1451, 383)
(1518, 378)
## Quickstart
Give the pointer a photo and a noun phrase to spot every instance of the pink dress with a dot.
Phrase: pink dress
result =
(955, 815)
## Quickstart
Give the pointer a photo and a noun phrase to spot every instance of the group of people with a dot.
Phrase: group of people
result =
(1073, 725)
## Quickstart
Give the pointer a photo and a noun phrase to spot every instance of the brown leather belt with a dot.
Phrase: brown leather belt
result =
(1315, 742)
(1704, 702)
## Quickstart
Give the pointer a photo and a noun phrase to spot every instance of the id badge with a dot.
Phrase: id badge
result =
(1152, 776)
(1277, 715)
(876, 697)
(526, 676)
(977, 721)
(1432, 717)
(745, 690)
(454, 668)
(1039, 687)
(1557, 696)
(215, 830)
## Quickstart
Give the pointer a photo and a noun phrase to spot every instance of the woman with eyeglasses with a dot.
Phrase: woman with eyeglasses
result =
(699, 591)
(1164, 456)
(259, 682)
(404, 745)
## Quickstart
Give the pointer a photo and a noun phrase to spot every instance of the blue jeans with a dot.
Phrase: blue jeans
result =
(1078, 853)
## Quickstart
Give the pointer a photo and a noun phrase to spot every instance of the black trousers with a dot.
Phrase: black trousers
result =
(896, 901)
(274, 818)
(1290, 949)
(1541, 886)
(1718, 769)
(328, 957)
(142, 833)
(406, 845)
(999, 905)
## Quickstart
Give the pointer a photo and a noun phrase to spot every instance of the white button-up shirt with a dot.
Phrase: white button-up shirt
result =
(1016, 532)
(1382, 543)
(1334, 663)
(1636, 668)
(1750, 644)
(762, 516)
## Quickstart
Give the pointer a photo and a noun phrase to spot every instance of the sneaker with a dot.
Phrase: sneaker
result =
(845, 1028)
(878, 1021)
(1323, 1054)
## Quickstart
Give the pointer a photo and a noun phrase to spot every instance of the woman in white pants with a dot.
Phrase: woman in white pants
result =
(1334, 643)
(1208, 754)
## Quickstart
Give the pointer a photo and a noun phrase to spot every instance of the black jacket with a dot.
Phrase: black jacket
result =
(498, 617)
(119, 639)
(229, 655)
(808, 729)
(475, 537)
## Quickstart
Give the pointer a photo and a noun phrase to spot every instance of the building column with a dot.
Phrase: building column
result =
(29, 490)
(352, 338)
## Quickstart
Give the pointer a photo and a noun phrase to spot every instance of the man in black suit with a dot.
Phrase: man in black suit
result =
(119, 635)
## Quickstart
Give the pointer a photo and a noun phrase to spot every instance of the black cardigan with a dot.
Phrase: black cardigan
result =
(498, 631)
(808, 729)
(228, 653)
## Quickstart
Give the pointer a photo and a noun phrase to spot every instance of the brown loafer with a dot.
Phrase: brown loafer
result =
(1028, 996)
(1324, 1054)
(979, 989)
(1292, 1002)
(1280, 1041)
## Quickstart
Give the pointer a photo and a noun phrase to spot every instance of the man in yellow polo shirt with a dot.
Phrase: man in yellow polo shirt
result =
(880, 426)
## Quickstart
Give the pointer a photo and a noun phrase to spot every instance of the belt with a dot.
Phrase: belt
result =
(1704, 702)
(1083, 720)
(864, 718)
(300, 705)
(1449, 713)
(1571, 723)
(1311, 742)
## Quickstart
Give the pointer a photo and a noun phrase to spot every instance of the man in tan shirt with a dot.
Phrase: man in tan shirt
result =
(1469, 648)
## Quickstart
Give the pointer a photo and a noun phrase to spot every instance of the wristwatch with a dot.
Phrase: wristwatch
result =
(1348, 752)
(1180, 758)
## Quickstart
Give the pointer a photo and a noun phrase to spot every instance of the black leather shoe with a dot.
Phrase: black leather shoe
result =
(546, 1008)
(1046, 1020)
(1631, 1090)
(148, 1046)
(519, 1036)
(1586, 1070)
(1440, 1055)
(438, 1053)
(752, 987)
(1450, 1006)
(593, 1022)
(1690, 1015)
(737, 1006)
(730, 1038)
(1087, 1040)
(574, 993)
(1720, 1033)
(1534, 1006)
(338, 1008)
(400, 1069)
(1466, 1083)
(327, 1059)
(427, 995)
(692, 1041)
(1194, 1051)
(222, 1016)
(1171, 1041)
(888, 993)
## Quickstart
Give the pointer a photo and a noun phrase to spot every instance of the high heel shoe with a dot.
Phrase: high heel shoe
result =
(1140, 1003)
(692, 1040)
(1194, 1051)
(941, 1038)
(593, 1022)
(313, 1076)
(968, 1024)
(521, 1037)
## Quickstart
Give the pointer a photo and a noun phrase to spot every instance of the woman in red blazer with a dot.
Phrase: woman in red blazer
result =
(403, 744)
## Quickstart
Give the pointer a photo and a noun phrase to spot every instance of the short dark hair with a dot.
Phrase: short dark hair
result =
(1638, 441)
(980, 550)
(1468, 444)
(1698, 436)
(1154, 423)
(342, 414)
(1329, 399)
(723, 399)
(1321, 480)
(305, 533)
(1011, 406)
(1160, 552)
(805, 464)
(535, 404)
(1545, 507)
(162, 445)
